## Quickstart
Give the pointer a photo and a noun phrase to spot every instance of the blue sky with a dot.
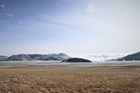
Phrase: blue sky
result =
(69, 26)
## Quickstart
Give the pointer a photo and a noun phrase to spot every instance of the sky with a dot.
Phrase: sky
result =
(73, 27)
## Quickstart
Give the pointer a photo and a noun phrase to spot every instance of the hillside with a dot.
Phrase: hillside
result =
(32, 57)
(131, 57)
(76, 60)
(3, 57)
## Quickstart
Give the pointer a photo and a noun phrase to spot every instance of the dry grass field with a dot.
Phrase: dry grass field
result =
(40, 79)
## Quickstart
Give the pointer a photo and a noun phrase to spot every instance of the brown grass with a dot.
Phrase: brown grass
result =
(70, 80)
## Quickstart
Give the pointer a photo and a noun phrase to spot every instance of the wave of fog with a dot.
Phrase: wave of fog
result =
(64, 64)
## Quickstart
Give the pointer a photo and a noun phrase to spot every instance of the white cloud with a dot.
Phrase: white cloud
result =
(101, 28)
(20, 22)
(3, 6)
(90, 8)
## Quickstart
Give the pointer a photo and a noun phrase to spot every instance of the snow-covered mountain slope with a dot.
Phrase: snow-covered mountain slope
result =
(20, 57)
(3, 57)
(31, 57)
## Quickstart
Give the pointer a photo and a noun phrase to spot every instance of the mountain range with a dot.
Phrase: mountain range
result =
(32, 57)
(63, 57)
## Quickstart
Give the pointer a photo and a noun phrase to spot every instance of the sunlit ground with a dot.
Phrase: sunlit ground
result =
(17, 78)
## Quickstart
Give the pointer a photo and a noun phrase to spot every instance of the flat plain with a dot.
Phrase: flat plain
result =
(30, 78)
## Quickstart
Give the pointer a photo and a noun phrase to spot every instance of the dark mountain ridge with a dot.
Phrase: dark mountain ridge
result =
(76, 60)
(131, 57)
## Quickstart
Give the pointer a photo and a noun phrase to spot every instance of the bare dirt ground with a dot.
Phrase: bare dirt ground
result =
(25, 78)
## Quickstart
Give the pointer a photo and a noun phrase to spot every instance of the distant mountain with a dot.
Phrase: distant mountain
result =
(3, 57)
(20, 57)
(30, 57)
(131, 57)
(77, 60)
(60, 56)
